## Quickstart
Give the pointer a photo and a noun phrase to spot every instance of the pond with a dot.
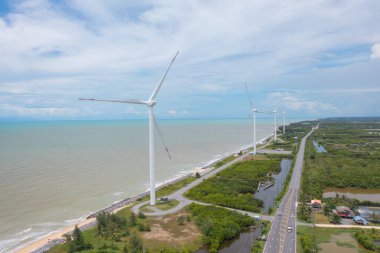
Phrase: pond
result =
(370, 213)
(269, 195)
(241, 244)
(354, 193)
(319, 148)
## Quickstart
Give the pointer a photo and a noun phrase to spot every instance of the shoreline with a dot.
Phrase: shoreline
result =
(47, 241)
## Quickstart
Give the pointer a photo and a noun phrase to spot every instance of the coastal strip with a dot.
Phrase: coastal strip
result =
(55, 238)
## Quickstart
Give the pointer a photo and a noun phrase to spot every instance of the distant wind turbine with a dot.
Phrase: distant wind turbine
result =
(150, 103)
(283, 122)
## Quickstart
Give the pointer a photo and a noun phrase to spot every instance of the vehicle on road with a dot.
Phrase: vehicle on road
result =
(289, 229)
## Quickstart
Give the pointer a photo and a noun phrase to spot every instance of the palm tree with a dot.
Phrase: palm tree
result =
(99, 232)
(112, 230)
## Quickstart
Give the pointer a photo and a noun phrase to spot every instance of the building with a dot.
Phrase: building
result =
(344, 212)
(360, 220)
(316, 203)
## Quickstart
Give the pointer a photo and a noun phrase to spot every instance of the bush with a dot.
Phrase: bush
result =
(141, 215)
(234, 187)
(181, 220)
(219, 224)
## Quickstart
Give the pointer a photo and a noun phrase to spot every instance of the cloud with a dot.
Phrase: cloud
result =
(175, 113)
(298, 101)
(38, 112)
(111, 49)
(375, 49)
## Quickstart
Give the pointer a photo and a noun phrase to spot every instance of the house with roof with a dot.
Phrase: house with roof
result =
(344, 212)
(360, 220)
(316, 203)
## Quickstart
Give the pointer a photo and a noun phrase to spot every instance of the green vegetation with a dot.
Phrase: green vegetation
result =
(76, 242)
(258, 246)
(342, 237)
(113, 233)
(367, 239)
(234, 187)
(225, 161)
(218, 224)
(352, 158)
(170, 188)
(162, 205)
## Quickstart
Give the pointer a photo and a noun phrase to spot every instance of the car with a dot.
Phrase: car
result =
(289, 229)
(279, 213)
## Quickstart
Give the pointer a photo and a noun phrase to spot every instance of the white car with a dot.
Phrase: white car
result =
(289, 229)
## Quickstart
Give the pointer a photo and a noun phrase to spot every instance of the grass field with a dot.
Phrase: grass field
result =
(328, 240)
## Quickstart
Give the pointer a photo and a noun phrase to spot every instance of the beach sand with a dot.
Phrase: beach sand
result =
(55, 235)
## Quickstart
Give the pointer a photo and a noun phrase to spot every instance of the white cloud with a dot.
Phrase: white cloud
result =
(175, 113)
(111, 48)
(298, 101)
(38, 112)
(375, 51)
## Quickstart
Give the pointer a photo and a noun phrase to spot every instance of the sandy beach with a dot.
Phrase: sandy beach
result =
(54, 236)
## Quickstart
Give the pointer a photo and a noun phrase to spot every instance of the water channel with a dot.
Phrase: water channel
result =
(269, 195)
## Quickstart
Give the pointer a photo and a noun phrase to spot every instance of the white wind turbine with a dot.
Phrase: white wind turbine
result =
(254, 111)
(275, 123)
(283, 122)
(150, 103)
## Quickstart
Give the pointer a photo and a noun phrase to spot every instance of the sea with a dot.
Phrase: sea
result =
(55, 173)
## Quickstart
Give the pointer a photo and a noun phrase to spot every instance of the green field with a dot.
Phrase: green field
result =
(234, 187)
(327, 240)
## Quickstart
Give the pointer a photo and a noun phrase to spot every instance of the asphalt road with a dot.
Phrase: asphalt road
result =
(282, 236)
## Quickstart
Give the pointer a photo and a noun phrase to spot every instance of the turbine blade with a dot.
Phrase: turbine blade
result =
(249, 96)
(158, 87)
(244, 123)
(161, 136)
(126, 101)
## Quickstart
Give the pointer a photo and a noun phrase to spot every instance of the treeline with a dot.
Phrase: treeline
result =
(113, 233)
(218, 224)
(234, 187)
(351, 161)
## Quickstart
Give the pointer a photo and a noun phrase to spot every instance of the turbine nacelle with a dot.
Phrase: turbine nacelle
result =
(150, 103)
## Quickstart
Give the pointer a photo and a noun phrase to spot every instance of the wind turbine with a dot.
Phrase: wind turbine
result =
(254, 111)
(150, 103)
(283, 122)
(275, 123)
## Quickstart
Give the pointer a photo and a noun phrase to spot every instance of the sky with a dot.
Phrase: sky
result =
(312, 59)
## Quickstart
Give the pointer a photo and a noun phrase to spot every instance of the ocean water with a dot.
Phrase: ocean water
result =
(54, 174)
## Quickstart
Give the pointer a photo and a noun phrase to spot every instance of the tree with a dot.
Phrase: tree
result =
(181, 220)
(132, 219)
(135, 243)
(99, 233)
(77, 243)
(112, 231)
(141, 215)
(197, 175)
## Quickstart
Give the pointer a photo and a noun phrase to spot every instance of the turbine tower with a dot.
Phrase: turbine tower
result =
(253, 111)
(283, 122)
(150, 103)
(275, 123)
